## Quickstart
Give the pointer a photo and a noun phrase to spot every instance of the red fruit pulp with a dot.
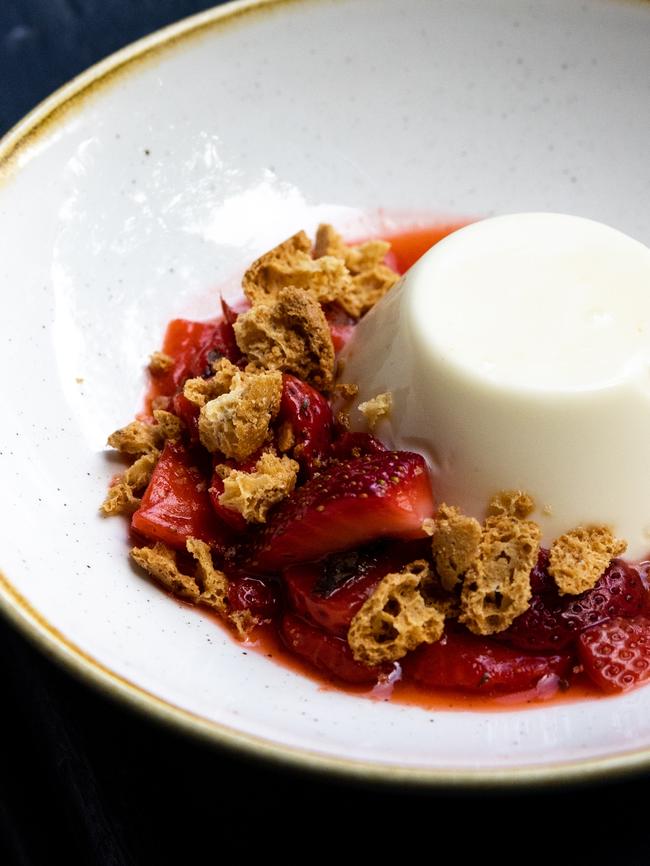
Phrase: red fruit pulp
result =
(616, 653)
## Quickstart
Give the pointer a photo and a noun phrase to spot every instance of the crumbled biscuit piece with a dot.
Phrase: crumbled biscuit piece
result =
(237, 423)
(208, 586)
(252, 494)
(290, 334)
(511, 503)
(343, 420)
(169, 425)
(160, 363)
(200, 391)
(291, 264)
(496, 588)
(429, 526)
(377, 408)
(579, 558)
(401, 614)
(371, 278)
(346, 390)
(122, 495)
(160, 562)
(455, 544)
(136, 438)
(286, 436)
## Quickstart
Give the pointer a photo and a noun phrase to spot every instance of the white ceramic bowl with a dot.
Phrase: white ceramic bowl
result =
(129, 196)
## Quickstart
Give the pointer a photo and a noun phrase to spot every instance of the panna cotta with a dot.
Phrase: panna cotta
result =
(517, 355)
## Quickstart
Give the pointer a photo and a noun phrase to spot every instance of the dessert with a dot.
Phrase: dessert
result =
(308, 465)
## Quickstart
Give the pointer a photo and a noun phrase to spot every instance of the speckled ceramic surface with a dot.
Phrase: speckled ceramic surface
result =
(137, 191)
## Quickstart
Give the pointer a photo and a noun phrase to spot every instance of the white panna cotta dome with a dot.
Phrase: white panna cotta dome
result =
(517, 354)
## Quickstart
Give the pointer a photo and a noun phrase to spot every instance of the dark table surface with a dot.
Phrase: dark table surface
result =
(83, 780)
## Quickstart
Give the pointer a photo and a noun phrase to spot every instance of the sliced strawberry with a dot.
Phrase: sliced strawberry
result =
(616, 653)
(619, 592)
(194, 346)
(310, 417)
(329, 654)
(552, 621)
(331, 591)
(348, 446)
(470, 663)
(345, 506)
(176, 504)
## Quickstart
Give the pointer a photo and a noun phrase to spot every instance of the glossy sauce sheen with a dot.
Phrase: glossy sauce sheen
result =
(407, 247)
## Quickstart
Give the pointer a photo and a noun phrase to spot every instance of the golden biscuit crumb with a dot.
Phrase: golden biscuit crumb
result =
(207, 587)
(511, 503)
(169, 425)
(496, 588)
(579, 558)
(455, 544)
(370, 277)
(160, 363)
(160, 562)
(200, 391)
(290, 334)
(122, 495)
(429, 526)
(346, 390)
(343, 419)
(286, 436)
(237, 423)
(252, 494)
(377, 408)
(136, 438)
(401, 614)
(547, 511)
(291, 264)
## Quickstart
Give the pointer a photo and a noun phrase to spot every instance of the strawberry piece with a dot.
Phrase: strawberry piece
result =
(194, 346)
(470, 663)
(345, 506)
(176, 504)
(310, 417)
(619, 592)
(188, 412)
(341, 325)
(616, 654)
(329, 654)
(250, 593)
(351, 445)
(553, 621)
(331, 591)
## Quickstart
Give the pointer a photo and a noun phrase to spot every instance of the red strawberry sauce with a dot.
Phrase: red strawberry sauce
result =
(508, 664)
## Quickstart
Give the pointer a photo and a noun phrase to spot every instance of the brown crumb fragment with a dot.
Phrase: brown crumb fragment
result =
(207, 587)
(579, 558)
(370, 277)
(346, 390)
(286, 436)
(291, 264)
(169, 425)
(401, 614)
(122, 496)
(289, 333)
(455, 544)
(343, 419)
(496, 588)
(160, 363)
(200, 391)
(136, 438)
(252, 494)
(237, 423)
(511, 503)
(160, 562)
(377, 408)
(429, 526)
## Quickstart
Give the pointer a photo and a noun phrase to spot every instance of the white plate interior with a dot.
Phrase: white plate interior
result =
(155, 190)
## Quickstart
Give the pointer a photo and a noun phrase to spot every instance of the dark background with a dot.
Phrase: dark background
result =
(84, 781)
